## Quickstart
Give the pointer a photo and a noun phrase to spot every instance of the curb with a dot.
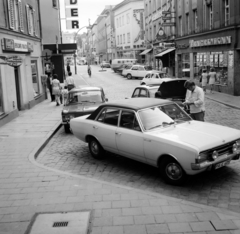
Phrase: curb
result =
(34, 154)
(224, 103)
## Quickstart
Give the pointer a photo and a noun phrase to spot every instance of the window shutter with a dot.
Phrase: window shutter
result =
(20, 12)
(28, 20)
(11, 14)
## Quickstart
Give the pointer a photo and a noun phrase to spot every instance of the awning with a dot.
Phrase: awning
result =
(165, 52)
(145, 52)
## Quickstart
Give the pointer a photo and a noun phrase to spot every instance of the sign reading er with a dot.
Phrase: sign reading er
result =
(71, 7)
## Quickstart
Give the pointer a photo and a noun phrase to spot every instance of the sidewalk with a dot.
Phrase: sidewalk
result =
(27, 187)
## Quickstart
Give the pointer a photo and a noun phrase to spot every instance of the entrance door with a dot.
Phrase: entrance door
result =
(17, 87)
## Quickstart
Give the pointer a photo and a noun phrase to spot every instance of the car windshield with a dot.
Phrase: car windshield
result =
(85, 96)
(148, 68)
(162, 116)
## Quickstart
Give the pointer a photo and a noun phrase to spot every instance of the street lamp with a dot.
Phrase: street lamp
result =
(75, 40)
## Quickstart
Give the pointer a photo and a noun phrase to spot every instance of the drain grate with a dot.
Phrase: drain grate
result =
(60, 224)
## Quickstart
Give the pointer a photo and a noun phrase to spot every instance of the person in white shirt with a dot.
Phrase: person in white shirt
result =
(195, 99)
(70, 82)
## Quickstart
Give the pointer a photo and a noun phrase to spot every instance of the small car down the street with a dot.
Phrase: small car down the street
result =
(81, 101)
(159, 133)
(153, 78)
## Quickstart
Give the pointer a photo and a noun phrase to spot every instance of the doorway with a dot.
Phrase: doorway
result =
(16, 73)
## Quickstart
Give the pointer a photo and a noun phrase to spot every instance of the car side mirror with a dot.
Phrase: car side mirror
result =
(106, 99)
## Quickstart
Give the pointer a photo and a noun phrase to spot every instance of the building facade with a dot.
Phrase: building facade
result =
(208, 37)
(160, 27)
(129, 29)
(21, 86)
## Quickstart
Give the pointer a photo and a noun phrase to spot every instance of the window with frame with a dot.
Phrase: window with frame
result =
(195, 21)
(123, 20)
(128, 120)
(123, 38)
(211, 16)
(128, 19)
(146, 9)
(226, 12)
(187, 23)
(109, 116)
(54, 3)
(118, 40)
(31, 20)
(15, 13)
(180, 25)
(128, 35)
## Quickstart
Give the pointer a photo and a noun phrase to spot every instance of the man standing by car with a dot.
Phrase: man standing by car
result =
(70, 83)
(195, 99)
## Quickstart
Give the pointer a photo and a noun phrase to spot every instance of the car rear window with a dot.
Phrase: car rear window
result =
(85, 96)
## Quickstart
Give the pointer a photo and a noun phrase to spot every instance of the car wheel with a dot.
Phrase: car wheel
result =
(95, 148)
(172, 171)
(129, 76)
(67, 128)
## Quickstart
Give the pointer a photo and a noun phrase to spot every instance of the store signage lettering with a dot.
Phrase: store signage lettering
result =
(17, 45)
(212, 41)
(13, 61)
(71, 11)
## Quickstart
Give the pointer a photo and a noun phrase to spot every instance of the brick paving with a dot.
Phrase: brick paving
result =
(66, 153)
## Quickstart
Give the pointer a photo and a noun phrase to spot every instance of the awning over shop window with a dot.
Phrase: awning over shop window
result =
(165, 52)
(145, 52)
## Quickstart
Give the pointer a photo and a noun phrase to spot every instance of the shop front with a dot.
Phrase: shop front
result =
(210, 52)
(20, 76)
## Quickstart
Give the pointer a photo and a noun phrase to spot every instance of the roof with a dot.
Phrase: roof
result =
(86, 88)
(136, 103)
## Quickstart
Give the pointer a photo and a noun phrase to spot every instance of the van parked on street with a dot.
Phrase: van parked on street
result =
(117, 63)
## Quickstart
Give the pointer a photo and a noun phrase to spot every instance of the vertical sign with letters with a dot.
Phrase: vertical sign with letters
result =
(71, 7)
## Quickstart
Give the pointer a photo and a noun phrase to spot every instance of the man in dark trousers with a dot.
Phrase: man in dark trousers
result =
(68, 68)
(49, 86)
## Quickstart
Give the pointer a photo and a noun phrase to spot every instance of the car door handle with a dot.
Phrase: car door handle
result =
(147, 140)
(95, 127)
(118, 133)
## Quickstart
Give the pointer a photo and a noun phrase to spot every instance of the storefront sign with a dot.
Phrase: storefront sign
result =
(211, 41)
(13, 61)
(17, 45)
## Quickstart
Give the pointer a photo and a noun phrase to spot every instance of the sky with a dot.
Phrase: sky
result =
(87, 9)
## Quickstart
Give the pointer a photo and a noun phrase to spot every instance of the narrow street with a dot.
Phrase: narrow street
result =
(64, 152)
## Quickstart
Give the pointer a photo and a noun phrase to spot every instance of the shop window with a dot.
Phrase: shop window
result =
(31, 20)
(35, 82)
(186, 65)
(15, 13)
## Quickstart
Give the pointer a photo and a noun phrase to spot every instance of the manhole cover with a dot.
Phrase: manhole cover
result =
(60, 223)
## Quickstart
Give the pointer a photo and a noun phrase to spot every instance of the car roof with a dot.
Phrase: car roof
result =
(137, 103)
(86, 88)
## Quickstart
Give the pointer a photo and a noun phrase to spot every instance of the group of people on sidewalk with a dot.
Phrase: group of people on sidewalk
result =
(208, 78)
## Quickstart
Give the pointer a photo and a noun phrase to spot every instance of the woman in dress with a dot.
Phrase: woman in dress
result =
(212, 78)
(204, 80)
(56, 89)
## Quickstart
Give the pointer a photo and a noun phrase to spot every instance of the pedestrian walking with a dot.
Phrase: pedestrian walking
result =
(195, 100)
(89, 70)
(65, 95)
(56, 89)
(49, 86)
(70, 82)
(204, 80)
(212, 78)
(68, 68)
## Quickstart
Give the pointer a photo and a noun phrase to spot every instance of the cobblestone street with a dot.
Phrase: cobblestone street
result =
(220, 188)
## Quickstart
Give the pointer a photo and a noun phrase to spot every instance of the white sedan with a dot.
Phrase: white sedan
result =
(159, 133)
(154, 78)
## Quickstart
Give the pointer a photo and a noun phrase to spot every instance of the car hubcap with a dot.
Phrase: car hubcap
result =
(174, 171)
(94, 147)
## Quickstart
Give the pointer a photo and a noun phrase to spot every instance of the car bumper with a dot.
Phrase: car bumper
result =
(211, 164)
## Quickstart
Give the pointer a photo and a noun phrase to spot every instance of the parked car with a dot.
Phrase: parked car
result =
(159, 133)
(125, 69)
(105, 65)
(81, 101)
(153, 78)
(170, 88)
(138, 71)
(117, 63)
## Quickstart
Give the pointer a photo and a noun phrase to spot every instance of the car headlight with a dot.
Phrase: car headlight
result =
(214, 155)
(201, 157)
(234, 148)
(238, 145)
(65, 111)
